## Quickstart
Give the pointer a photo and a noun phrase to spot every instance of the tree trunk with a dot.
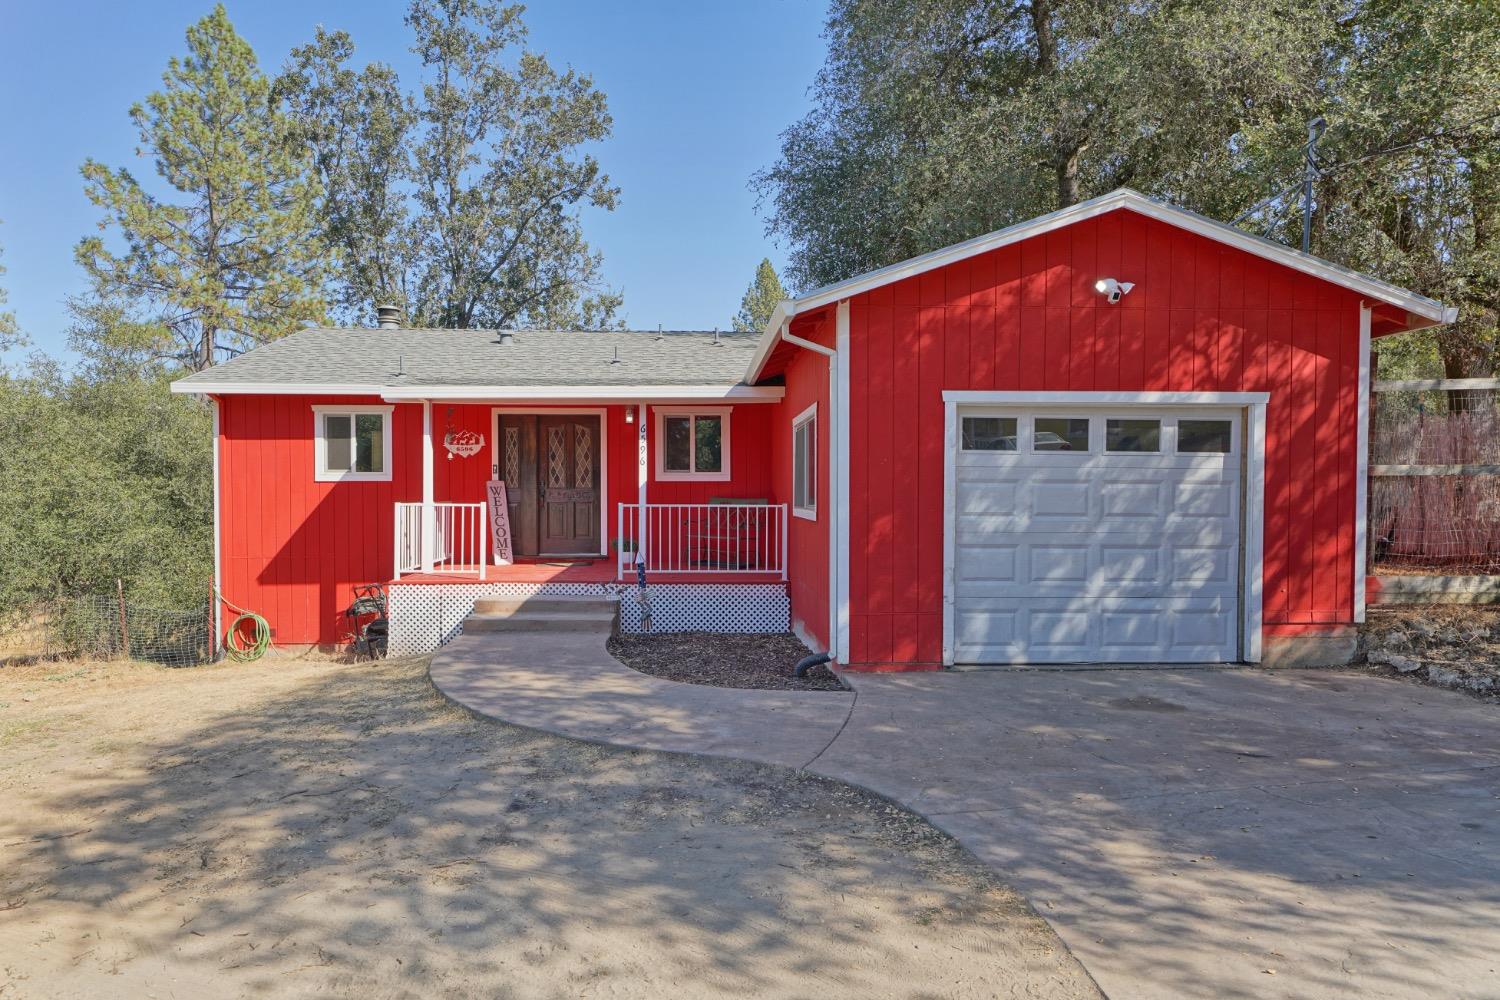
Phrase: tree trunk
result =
(1067, 177)
(205, 359)
(1046, 41)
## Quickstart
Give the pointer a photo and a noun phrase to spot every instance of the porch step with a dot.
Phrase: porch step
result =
(565, 602)
(544, 614)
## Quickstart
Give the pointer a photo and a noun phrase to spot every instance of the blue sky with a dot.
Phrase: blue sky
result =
(699, 93)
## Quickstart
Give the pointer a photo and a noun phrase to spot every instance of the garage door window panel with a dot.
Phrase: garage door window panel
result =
(1060, 434)
(1205, 436)
(989, 434)
(1132, 435)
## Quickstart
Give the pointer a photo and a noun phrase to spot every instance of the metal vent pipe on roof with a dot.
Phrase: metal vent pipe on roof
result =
(507, 337)
(390, 317)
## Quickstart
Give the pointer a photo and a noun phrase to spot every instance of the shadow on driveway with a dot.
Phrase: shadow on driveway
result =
(1214, 833)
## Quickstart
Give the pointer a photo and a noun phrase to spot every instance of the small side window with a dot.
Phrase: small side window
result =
(1060, 434)
(352, 443)
(1205, 436)
(805, 464)
(989, 434)
(692, 445)
(1132, 435)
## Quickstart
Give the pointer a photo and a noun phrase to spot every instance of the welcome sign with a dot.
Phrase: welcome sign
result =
(499, 523)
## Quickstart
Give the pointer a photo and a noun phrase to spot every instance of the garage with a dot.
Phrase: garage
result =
(1085, 534)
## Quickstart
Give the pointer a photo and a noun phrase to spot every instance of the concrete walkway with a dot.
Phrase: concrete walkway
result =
(1188, 833)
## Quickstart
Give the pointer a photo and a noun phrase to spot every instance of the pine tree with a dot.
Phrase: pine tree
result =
(230, 256)
(760, 299)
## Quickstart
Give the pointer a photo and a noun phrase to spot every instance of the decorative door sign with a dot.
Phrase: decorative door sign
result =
(499, 523)
(463, 443)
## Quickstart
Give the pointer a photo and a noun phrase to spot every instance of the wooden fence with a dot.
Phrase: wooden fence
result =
(1435, 489)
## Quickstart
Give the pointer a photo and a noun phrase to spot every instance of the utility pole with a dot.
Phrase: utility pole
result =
(1315, 130)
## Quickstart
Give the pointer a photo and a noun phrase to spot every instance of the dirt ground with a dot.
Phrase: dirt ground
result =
(1454, 646)
(721, 660)
(293, 828)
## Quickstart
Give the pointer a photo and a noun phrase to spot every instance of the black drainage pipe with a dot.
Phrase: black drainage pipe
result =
(808, 662)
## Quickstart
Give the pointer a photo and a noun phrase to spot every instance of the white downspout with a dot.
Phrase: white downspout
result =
(832, 503)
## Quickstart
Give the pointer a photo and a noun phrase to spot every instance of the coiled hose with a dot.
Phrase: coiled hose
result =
(235, 646)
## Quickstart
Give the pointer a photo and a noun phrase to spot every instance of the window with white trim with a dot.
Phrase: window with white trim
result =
(692, 444)
(805, 463)
(352, 444)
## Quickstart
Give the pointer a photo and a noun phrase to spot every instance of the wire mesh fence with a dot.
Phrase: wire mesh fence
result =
(1435, 491)
(104, 627)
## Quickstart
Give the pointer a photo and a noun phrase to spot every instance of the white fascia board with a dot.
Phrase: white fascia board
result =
(781, 315)
(590, 393)
(492, 393)
(1435, 313)
(275, 388)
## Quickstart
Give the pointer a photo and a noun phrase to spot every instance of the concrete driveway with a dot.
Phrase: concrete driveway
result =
(1189, 833)
(1214, 833)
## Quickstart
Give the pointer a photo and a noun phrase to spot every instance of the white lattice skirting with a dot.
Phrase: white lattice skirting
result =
(425, 616)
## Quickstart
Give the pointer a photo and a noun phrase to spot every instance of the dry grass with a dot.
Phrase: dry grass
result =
(294, 828)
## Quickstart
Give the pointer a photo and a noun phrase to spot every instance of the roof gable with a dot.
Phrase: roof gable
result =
(1414, 311)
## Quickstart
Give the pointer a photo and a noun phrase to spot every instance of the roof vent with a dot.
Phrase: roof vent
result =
(507, 337)
(389, 317)
(616, 359)
(716, 336)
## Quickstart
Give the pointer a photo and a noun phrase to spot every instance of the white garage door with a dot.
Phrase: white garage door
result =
(1096, 535)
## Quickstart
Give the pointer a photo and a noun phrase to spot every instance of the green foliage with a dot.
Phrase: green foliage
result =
(938, 120)
(760, 299)
(10, 330)
(103, 476)
(231, 257)
(460, 201)
(357, 125)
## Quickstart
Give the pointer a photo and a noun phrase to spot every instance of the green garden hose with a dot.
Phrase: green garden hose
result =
(235, 647)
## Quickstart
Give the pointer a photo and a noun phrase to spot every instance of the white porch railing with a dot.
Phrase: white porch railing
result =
(703, 538)
(454, 533)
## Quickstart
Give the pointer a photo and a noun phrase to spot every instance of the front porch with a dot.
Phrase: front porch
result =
(588, 498)
(589, 571)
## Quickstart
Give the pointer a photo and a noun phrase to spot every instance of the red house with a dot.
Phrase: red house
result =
(1121, 432)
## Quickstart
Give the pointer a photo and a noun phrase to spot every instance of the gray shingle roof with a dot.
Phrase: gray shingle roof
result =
(364, 357)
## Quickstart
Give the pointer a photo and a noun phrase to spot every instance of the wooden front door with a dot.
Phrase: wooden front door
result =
(551, 467)
(569, 471)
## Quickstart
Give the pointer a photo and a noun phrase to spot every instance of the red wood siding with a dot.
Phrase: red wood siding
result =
(1202, 317)
(292, 548)
(807, 541)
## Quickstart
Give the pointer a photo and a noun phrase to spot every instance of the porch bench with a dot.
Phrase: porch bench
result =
(729, 539)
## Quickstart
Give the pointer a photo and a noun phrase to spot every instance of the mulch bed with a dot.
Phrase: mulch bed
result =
(1451, 646)
(718, 660)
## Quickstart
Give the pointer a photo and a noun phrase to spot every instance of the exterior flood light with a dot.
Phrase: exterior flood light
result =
(1113, 290)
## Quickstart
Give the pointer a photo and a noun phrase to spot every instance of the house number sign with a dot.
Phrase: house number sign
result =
(463, 443)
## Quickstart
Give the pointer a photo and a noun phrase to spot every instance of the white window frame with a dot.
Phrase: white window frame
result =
(321, 472)
(662, 474)
(807, 416)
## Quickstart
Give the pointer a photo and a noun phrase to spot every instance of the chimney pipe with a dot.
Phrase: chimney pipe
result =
(389, 317)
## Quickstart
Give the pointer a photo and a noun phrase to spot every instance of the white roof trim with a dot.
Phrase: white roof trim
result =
(493, 393)
(1420, 305)
(646, 393)
(206, 387)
